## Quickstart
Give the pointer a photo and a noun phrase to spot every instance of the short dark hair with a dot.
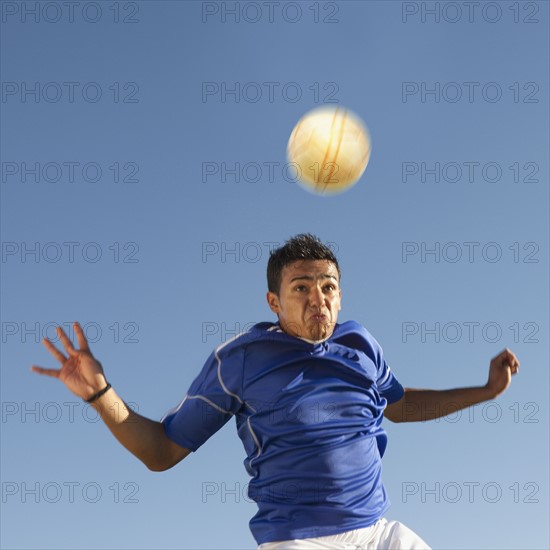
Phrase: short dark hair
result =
(301, 247)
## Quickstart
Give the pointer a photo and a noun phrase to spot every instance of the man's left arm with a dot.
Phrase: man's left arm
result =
(420, 405)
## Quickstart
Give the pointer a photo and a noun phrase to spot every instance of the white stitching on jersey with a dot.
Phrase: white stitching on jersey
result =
(209, 402)
(174, 410)
(224, 387)
(218, 349)
(384, 378)
(256, 440)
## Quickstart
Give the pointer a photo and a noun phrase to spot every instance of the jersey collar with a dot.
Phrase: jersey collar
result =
(278, 328)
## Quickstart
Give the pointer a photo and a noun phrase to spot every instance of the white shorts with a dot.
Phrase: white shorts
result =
(383, 535)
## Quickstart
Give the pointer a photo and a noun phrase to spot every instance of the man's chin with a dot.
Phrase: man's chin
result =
(320, 331)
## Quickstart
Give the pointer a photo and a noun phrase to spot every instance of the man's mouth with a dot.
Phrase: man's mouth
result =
(319, 318)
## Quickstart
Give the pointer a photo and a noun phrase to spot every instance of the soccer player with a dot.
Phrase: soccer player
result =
(309, 396)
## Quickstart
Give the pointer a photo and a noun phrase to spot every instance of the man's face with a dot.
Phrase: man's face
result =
(309, 299)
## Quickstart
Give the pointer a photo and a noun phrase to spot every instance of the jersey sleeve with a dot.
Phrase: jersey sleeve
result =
(212, 399)
(388, 385)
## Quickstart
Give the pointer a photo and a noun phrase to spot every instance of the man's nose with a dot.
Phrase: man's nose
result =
(316, 297)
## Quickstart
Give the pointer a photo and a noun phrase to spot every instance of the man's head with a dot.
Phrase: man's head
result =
(303, 279)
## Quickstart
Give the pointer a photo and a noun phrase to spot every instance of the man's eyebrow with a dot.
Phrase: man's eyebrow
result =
(311, 278)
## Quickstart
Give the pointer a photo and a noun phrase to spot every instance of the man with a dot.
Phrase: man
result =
(309, 396)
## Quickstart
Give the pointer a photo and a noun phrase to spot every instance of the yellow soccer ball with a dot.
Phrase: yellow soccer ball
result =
(329, 148)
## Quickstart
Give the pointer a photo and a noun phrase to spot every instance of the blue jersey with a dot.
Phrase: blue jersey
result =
(309, 416)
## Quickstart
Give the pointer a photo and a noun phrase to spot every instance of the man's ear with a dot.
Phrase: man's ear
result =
(340, 303)
(273, 302)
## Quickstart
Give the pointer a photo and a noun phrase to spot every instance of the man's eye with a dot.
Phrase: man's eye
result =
(330, 288)
(300, 288)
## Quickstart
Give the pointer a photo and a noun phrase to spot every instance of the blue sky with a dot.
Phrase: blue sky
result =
(132, 135)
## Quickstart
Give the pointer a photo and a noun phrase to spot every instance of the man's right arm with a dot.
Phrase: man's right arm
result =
(83, 375)
(143, 437)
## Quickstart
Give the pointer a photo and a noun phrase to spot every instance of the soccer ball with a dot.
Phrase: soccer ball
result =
(329, 148)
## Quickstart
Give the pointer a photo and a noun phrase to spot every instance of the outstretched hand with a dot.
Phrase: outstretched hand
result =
(501, 369)
(80, 371)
